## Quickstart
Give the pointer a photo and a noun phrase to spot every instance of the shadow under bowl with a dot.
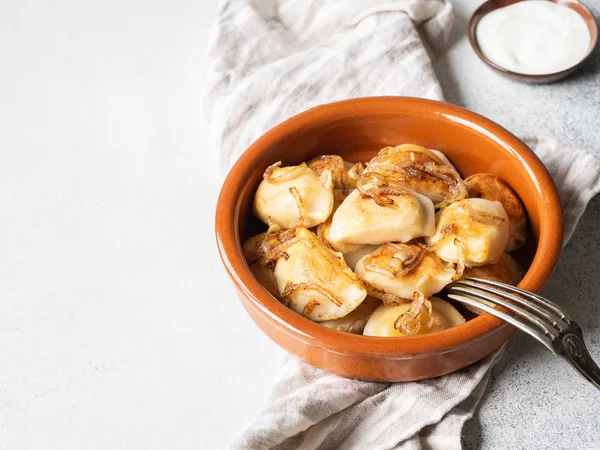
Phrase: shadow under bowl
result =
(357, 129)
(492, 5)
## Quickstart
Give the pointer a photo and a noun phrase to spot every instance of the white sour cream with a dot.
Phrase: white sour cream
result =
(534, 37)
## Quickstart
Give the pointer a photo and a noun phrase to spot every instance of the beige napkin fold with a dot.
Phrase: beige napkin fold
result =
(269, 60)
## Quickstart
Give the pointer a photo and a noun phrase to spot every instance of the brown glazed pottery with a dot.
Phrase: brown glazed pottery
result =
(356, 130)
(491, 5)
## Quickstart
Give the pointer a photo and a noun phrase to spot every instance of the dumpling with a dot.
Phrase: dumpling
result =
(419, 169)
(312, 279)
(400, 154)
(293, 196)
(442, 156)
(382, 321)
(355, 321)
(253, 247)
(489, 187)
(343, 173)
(353, 256)
(504, 271)
(352, 252)
(265, 276)
(401, 270)
(377, 212)
(256, 249)
(472, 232)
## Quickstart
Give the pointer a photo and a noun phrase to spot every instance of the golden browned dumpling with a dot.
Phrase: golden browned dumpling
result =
(472, 232)
(265, 276)
(400, 154)
(256, 250)
(312, 279)
(352, 252)
(293, 196)
(355, 321)
(504, 271)
(354, 256)
(419, 169)
(489, 187)
(343, 173)
(383, 322)
(394, 272)
(253, 248)
(377, 212)
(443, 158)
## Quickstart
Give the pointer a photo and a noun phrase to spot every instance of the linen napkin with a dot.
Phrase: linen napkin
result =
(270, 59)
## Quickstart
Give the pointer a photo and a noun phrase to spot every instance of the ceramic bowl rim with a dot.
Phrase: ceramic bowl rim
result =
(533, 78)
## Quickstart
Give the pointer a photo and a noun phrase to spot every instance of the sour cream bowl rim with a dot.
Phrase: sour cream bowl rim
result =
(492, 5)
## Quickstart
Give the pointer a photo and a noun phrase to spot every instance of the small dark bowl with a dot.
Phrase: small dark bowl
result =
(492, 5)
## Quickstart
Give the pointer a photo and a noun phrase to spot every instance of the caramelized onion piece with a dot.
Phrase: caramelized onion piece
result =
(343, 173)
(403, 258)
(441, 316)
(403, 153)
(420, 313)
(258, 251)
(291, 288)
(380, 188)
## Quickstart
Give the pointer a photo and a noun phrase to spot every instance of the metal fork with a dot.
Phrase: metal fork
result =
(535, 315)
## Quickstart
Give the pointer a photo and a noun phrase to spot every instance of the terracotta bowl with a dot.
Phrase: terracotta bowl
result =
(356, 130)
(492, 5)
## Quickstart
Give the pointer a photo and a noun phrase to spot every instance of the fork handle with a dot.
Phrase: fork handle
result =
(576, 353)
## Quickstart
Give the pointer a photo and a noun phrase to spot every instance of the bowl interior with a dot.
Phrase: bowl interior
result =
(359, 138)
(492, 5)
(357, 130)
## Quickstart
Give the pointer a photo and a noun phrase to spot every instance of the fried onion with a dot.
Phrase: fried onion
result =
(288, 175)
(290, 288)
(378, 187)
(300, 205)
(407, 171)
(412, 320)
(401, 259)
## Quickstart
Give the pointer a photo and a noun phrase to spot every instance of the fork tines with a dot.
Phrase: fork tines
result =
(533, 314)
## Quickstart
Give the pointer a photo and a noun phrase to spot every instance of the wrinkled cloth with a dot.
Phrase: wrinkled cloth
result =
(271, 59)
